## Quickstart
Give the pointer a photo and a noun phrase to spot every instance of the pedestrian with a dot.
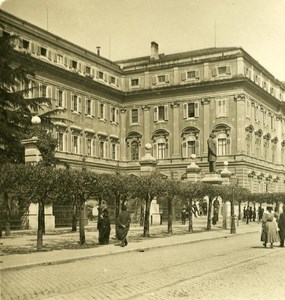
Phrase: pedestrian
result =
(254, 214)
(183, 214)
(281, 226)
(123, 225)
(269, 232)
(104, 227)
(260, 213)
(244, 212)
(250, 214)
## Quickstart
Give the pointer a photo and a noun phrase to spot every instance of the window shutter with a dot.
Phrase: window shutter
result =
(57, 97)
(92, 108)
(166, 150)
(218, 104)
(38, 50)
(117, 116)
(20, 43)
(185, 110)
(197, 74)
(79, 108)
(196, 112)
(33, 47)
(97, 74)
(117, 151)
(64, 99)
(105, 77)
(49, 92)
(93, 147)
(105, 150)
(86, 106)
(92, 72)
(72, 102)
(183, 76)
(55, 57)
(65, 61)
(117, 81)
(109, 78)
(154, 80)
(104, 112)
(72, 144)
(70, 64)
(167, 78)
(49, 54)
(80, 67)
(214, 71)
(165, 112)
(111, 115)
(228, 70)
(84, 69)
(184, 149)
(197, 145)
(155, 113)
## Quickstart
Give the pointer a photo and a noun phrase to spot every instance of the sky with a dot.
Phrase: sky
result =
(125, 28)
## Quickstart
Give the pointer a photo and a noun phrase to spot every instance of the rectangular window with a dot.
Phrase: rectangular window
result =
(75, 144)
(102, 111)
(114, 152)
(102, 149)
(191, 110)
(43, 91)
(222, 70)
(74, 103)
(59, 59)
(100, 75)
(135, 82)
(113, 114)
(60, 138)
(161, 116)
(74, 64)
(26, 44)
(221, 108)
(43, 51)
(161, 78)
(135, 116)
(60, 98)
(191, 74)
(88, 70)
(112, 80)
(272, 122)
(89, 147)
(88, 108)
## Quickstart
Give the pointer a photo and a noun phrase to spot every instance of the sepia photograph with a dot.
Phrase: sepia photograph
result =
(142, 149)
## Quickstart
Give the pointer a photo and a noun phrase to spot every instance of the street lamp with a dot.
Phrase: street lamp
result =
(36, 120)
(234, 181)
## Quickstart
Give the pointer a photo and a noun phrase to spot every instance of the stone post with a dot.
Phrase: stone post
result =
(148, 162)
(226, 174)
(193, 171)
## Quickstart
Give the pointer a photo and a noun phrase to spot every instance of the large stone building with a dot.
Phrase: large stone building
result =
(110, 110)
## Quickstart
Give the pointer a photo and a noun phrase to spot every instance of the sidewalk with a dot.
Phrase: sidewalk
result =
(61, 245)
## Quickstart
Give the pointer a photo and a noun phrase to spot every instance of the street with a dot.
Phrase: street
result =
(237, 267)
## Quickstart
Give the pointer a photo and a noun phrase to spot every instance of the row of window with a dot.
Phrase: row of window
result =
(101, 148)
(259, 80)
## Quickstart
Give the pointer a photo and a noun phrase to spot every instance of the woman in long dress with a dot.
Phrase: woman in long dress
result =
(270, 233)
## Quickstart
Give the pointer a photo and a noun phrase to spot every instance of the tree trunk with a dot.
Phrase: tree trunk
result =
(117, 212)
(146, 217)
(7, 204)
(239, 210)
(81, 225)
(170, 215)
(41, 212)
(190, 225)
(142, 215)
(74, 217)
(209, 213)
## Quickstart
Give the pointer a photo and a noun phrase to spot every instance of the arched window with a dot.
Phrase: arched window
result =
(160, 144)
(134, 150)
(222, 133)
(190, 142)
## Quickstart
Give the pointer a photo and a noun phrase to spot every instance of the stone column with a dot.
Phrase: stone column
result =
(226, 174)
(32, 153)
(240, 66)
(176, 142)
(123, 128)
(148, 162)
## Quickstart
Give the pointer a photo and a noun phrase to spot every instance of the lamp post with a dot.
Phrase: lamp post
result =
(234, 181)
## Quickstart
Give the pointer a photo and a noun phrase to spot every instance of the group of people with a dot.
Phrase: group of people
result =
(197, 210)
(273, 227)
(122, 226)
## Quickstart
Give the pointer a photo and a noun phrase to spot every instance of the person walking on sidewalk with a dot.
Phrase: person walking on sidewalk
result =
(104, 227)
(281, 226)
(269, 230)
(123, 225)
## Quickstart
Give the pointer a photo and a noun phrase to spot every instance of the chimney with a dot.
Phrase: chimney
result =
(154, 51)
(98, 50)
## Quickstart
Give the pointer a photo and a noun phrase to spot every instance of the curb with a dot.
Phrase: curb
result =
(125, 250)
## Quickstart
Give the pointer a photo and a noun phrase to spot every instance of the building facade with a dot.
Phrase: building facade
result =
(110, 110)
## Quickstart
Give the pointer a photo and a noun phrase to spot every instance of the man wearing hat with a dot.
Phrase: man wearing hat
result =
(281, 226)
(123, 225)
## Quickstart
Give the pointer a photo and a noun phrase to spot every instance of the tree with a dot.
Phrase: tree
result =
(146, 188)
(170, 188)
(16, 110)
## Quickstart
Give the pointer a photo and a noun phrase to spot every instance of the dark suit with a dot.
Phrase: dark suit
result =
(281, 226)
(212, 154)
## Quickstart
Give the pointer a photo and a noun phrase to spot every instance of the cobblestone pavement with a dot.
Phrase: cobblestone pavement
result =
(236, 267)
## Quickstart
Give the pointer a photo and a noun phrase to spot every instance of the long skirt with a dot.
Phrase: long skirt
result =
(270, 233)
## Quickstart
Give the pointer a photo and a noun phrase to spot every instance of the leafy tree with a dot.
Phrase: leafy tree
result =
(16, 110)
(146, 188)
